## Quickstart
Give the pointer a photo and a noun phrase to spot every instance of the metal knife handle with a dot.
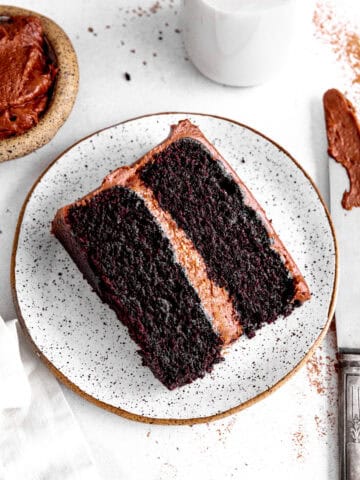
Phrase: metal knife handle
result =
(349, 416)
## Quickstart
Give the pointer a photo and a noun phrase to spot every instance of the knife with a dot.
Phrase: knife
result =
(347, 226)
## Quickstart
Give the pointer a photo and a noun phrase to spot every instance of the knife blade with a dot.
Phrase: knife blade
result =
(347, 227)
(342, 128)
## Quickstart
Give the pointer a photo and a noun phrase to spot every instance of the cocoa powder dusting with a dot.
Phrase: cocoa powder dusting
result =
(342, 37)
(313, 372)
(321, 371)
(298, 441)
(225, 430)
(320, 426)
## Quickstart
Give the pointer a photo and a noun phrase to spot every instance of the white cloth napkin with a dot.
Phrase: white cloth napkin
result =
(39, 436)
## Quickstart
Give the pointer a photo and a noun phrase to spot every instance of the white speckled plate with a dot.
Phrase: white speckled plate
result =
(81, 339)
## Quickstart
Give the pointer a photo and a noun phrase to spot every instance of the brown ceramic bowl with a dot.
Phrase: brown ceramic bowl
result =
(63, 95)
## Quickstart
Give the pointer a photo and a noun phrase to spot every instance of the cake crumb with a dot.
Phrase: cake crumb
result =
(127, 76)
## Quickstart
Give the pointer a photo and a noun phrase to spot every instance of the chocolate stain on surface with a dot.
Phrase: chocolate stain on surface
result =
(343, 134)
(343, 39)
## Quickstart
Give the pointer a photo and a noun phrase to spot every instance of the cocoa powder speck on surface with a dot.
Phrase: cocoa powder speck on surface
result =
(155, 7)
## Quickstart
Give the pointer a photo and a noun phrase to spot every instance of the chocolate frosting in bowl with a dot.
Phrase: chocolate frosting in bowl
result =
(26, 73)
(30, 103)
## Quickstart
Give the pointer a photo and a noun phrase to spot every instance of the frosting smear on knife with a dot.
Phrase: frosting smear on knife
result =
(343, 133)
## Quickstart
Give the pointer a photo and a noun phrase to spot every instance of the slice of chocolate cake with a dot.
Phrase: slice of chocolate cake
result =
(180, 249)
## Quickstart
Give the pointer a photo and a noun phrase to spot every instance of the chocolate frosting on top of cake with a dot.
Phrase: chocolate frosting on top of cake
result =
(343, 133)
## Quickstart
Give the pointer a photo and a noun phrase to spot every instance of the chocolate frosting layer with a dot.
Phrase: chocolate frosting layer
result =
(343, 133)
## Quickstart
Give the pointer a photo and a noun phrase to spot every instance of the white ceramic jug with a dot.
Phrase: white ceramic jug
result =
(238, 42)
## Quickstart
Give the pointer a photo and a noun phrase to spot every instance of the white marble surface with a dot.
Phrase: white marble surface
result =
(292, 433)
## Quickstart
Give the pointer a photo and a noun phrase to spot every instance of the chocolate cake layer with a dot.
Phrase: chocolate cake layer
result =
(207, 203)
(123, 253)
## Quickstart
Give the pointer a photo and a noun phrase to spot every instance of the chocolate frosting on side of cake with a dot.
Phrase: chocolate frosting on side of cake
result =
(343, 133)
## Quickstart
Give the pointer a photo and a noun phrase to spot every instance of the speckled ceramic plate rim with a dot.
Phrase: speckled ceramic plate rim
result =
(173, 421)
(63, 96)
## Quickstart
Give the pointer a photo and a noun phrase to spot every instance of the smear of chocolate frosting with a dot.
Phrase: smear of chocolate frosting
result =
(343, 133)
